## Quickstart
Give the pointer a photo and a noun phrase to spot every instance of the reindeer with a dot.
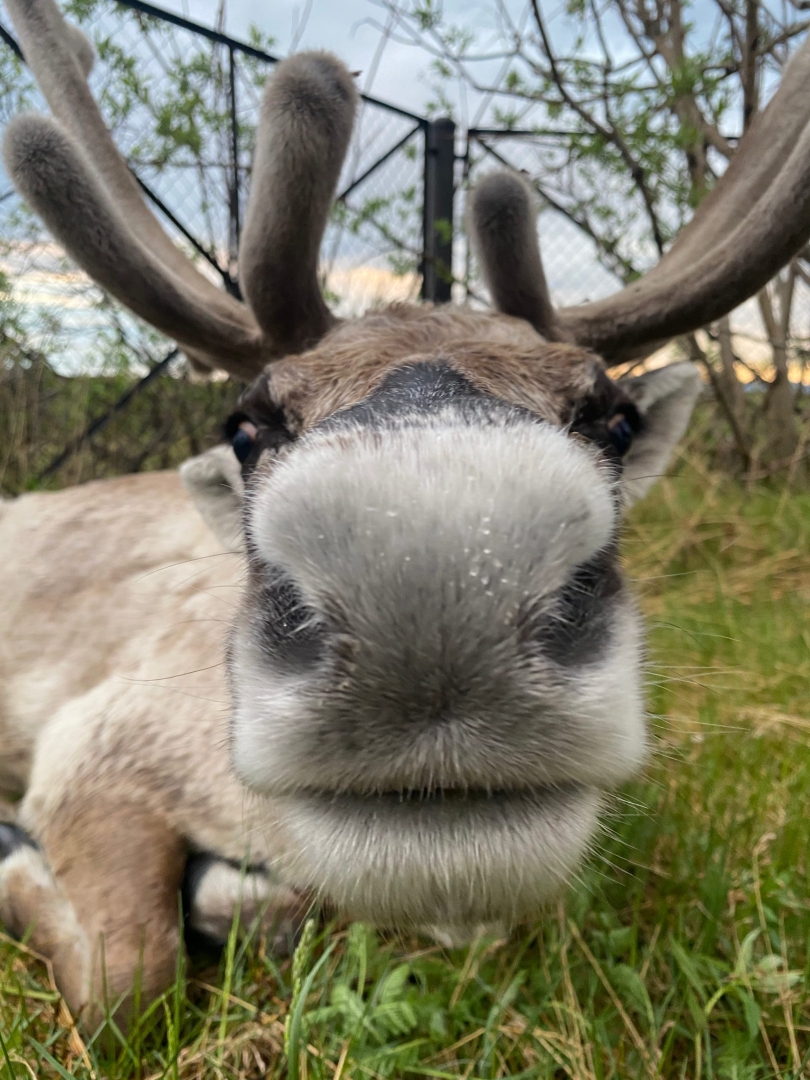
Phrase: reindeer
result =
(379, 649)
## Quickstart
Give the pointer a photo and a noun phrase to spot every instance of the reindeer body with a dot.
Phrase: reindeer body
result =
(118, 600)
(384, 655)
(131, 705)
(119, 604)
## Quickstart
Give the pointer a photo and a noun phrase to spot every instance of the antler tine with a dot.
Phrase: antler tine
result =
(756, 217)
(303, 134)
(61, 57)
(502, 213)
(81, 47)
(660, 307)
(56, 181)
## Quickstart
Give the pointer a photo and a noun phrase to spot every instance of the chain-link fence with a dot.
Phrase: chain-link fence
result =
(182, 103)
(582, 267)
(571, 259)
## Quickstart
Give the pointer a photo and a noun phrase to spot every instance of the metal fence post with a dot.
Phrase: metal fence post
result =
(437, 236)
(233, 181)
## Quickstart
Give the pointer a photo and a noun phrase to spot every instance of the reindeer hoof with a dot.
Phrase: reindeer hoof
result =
(215, 888)
(13, 837)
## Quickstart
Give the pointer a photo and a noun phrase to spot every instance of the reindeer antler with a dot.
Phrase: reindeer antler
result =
(71, 173)
(754, 220)
(502, 213)
(304, 132)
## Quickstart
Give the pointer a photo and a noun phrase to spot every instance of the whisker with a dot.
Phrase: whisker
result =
(166, 678)
(184, 562)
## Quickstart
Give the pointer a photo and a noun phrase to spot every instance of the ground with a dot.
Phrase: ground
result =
(681, 950)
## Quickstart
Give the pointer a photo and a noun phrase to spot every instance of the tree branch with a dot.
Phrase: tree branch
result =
(610, 134)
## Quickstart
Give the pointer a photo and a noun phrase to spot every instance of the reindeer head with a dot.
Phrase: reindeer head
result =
(436, 670)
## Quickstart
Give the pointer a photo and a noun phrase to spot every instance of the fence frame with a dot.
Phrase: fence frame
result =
(440, 156)
(439, 189)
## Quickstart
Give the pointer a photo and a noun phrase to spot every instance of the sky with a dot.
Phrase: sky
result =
(350, 28)
(353, 29)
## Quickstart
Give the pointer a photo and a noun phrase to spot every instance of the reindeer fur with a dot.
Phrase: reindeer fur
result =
(502, 209)
(387, 658)
(134, 596)
(307, 118)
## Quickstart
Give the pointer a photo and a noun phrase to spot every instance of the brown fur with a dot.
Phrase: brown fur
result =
(117, 598)
(130, 912)
(503, 356)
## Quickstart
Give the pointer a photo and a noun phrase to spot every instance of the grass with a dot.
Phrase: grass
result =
(43, 413)
(680, 951)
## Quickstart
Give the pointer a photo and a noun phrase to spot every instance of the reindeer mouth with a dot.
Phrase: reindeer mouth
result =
(448, 856)
(457, 796)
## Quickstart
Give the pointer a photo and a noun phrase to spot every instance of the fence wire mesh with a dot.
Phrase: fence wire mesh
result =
(167, 93)
(183, 108)
(579, 268)
(571, 259)
(182, 103)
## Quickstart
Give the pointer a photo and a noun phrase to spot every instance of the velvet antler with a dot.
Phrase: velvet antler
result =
(304, 132)
(504, 237)
(70, 172)
(754, 220)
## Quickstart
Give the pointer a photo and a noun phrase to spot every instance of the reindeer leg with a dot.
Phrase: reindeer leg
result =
(99, 896)
(215, 889)
(32, 901)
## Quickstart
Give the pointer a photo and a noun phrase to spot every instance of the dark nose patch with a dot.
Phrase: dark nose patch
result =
(290, 632)
(421, 390)
(575, 628)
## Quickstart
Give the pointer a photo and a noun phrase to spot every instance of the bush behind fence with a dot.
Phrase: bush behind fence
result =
(182, 102)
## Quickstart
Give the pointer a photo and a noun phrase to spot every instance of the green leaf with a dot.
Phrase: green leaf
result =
(746, 952)
(393, 984)
(689, 969)
(293, 1035)
(631, 988)
(51, 1060)
(750, 1008)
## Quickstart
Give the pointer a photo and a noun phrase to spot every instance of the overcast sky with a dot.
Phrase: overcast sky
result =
(354, 29)
(350, 28)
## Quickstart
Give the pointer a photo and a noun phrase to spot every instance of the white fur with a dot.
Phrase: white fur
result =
(31, 902)
(458, 864)
(224, 889)
(665, 397)
(414, 533)
(427, 539)
(214, 482)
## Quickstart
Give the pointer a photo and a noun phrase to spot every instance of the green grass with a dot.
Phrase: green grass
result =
(42, 413)
(681, 950)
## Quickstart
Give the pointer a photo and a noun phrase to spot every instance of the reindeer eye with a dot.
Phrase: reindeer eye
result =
(243, 440)
(620, 433)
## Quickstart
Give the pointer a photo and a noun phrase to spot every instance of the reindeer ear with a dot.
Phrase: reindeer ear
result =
(665, 399)
(214, 482)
